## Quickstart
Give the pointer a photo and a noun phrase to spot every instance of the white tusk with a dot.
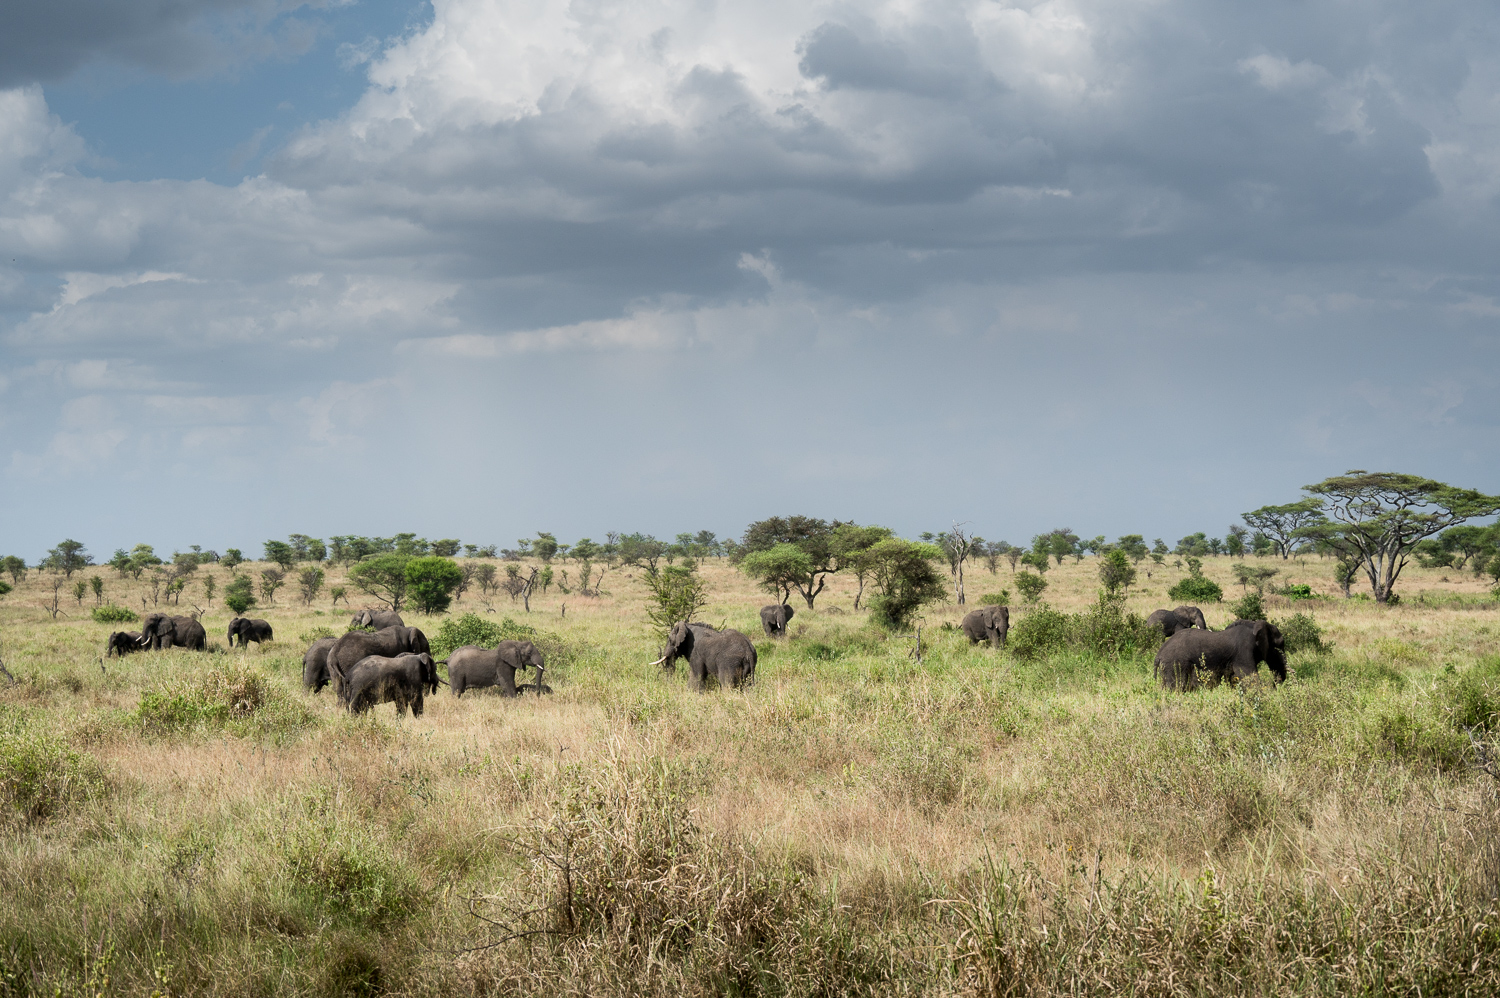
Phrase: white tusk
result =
(660, 660)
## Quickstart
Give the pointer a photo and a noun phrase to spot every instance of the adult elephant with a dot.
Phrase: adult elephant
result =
(355, 645)
(1180, 619)
(315, 664)
(249, 629)
(160, 631)
(122, 643)
(377, 620)
(988, 623)
(727, 654)
(774, 618)
(402, 679)
(472, 667)
(1191, 658)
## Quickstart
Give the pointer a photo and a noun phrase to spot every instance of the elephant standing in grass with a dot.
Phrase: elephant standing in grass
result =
(1191, 657)
(1180, 619)
(249, 629)
(377, 679)
(161, 631)
(315, 664)
(726, 654)
(988, 623)
(774, 619)
(377, 620)
(122, 643)
(355, 645)
(471, 667)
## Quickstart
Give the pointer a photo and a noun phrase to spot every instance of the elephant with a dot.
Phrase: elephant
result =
(1180, 619)
(377, 679)
(355, 645)
(774, 618)
(1233, 653)
(249, 629)
(161, 631)
(122, 643)
(727, 654)
(315, 664)
(471, 667)
(377, 620)
(988, 623)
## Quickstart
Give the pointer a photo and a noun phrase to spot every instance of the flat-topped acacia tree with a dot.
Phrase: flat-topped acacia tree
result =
(1375, 519)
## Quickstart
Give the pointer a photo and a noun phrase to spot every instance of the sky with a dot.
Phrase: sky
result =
(481, 268)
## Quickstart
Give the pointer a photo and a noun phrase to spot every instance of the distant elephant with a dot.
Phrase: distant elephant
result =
(1192, 657)
(377, 620)
(315, 664)
(160, 631)
(726, 654)
(773, 619)
(1180, 619)
(123, 643)
(355, 645)
(988, 623)
(472, 667)
(249, 629)
(377, 679)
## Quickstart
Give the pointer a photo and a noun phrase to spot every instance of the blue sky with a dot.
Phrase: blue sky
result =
(479, 268)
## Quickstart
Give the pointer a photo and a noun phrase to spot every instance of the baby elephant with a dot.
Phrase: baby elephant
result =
(376, 679)
(471, 667)
(988, 623)
(122, 643)
(249, 629)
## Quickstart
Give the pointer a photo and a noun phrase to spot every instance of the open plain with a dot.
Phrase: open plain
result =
(856, 822)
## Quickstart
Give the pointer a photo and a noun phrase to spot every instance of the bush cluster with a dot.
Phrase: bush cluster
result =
(1302, 633)
(111, 614)
(221, 697)
(1197, 589)
(1105, 629)
(41, 777)
(472, 629)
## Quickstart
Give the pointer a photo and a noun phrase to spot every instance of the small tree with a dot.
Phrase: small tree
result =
(281, 553)
(905, 580)
(779, 570)
(447, 547)
(485, 576)
(271, 579)
(382, 576)
(956, 546)
(1014, 556)
(239, 595)
(852, 545)
(676, 594)
(1115, 571)
(309, 581)
(96, 583)
(1281, 525)
(210, 586)
(338, 593)
(67, 558)
(1134, 546)
(80, 590)
(431, 581)
(232, 557)
(1031, 586)
(16, 567)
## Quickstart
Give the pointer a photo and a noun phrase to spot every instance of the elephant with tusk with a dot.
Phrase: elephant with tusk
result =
(727, 654)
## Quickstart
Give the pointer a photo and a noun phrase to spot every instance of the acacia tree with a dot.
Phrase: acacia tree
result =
(382, 576)
(852, 544)
(1283, 524)
(67, 558)
(811, 536)
(1375, 519)
(905, 580)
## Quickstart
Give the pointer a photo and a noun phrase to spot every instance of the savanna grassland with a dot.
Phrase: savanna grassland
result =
(857, 822)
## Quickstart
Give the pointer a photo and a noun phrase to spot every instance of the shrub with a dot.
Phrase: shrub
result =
(1105, 630)
(4, 588)
(1299, 591)
(1115, 570)
(1039, 632)
(239, 595)
(1302, 633)
(431, 583)
(41, 777)
(1031, 586)
(905, 580)
(111, 614)
(1002, 598)
(1249, 607)
(1197, 589)
(676, 594)
(216, 699)
(472, 629)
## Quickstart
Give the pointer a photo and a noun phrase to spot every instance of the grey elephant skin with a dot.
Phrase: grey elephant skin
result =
(472, 667)
(160, 631)
(377, 620)
(728, 654)
(122, 643)
(774, 619)
(401, 680)
(388, 641)
(315, 664)
(249, 629)
(1180, 619)
(988, 623)
(1192, 658)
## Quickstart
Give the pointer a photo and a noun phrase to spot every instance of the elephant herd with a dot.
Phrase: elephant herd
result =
(159, 631)
(393, 663)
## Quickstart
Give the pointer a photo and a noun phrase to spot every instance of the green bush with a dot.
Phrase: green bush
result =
(1002, 598)
(1031, 586)
(1039, 632)
(1302, 633)
(41, 777)
(431, 582)
(472, 629)
(1105, 630)
(223, 697)
(111, 614)
(4, 588)
(239, 595)
(1299, 591)
(1248, 607)
(1197, 589)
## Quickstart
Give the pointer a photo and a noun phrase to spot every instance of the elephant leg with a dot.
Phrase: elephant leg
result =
(416, 705)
